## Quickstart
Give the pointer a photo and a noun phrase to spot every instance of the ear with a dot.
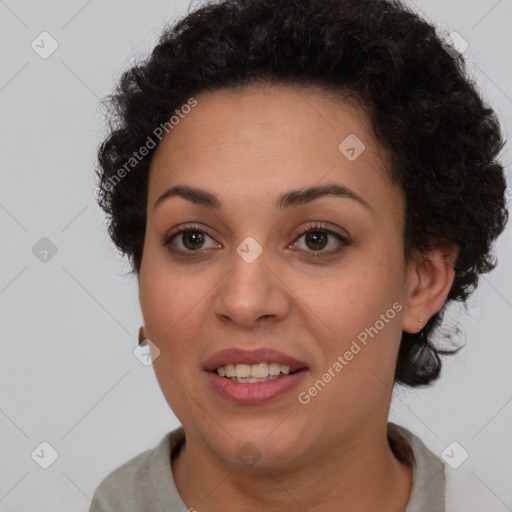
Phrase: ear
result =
(142, 336)
(429, 281)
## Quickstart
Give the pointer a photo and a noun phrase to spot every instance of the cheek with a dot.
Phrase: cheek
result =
(171, 306)
(176, 304)
(359, 350)
(168, 295)
(356, 315)
(354, 295)
(173, 311)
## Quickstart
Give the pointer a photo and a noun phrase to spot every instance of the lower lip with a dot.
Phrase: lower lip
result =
(255, 392)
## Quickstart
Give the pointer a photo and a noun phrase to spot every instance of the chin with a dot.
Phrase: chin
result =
(256, 445)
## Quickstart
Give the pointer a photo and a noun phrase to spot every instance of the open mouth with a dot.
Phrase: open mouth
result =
(255, 376)
(251, 373)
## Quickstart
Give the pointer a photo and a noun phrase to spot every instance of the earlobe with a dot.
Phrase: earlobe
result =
(430, 280)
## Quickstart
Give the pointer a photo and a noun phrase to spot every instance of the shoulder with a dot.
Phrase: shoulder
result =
(428, 471)
(122, 486)
(133, 486)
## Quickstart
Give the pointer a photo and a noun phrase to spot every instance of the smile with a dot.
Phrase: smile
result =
(250, 373)
(253, 376)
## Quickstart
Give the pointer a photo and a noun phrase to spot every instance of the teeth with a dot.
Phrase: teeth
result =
(253, 372)
(243, 370)
(274, 368)
(259, 370)
(251, 380)
(285, 369)
(230, 370)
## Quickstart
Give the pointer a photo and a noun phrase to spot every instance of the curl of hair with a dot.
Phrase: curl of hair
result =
(443, 140)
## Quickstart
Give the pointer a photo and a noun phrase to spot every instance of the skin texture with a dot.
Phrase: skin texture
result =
(248, 147)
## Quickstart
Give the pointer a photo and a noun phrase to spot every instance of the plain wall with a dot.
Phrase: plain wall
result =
(69, 325)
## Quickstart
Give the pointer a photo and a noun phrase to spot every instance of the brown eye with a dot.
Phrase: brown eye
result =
(192, 240)
(188, 240)
(317, 241)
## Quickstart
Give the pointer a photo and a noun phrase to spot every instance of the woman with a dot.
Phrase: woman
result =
(301, 186)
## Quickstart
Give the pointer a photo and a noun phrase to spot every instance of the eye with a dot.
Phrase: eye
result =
(190, 239)
(317, 238)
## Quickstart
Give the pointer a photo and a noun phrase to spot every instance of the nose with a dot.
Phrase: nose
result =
(252, 293)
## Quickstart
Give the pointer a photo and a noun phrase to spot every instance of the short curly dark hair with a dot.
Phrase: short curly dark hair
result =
(443, 140)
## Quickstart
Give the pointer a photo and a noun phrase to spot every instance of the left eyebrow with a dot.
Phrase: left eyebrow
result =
(287, 200)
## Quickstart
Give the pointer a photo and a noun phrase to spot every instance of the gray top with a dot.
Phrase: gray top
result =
(145, 483)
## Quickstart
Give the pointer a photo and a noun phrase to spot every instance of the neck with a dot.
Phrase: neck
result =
(362, 474)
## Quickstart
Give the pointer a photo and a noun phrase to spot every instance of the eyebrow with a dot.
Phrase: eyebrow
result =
(287, 200)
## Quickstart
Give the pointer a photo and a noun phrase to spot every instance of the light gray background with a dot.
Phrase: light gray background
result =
(68, 326)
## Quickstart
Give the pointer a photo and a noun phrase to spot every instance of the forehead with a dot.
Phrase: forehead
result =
(257, 141)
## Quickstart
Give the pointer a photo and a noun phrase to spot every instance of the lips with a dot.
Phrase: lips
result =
(252, 393)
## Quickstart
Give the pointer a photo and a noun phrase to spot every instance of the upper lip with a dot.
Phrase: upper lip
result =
(254, 356)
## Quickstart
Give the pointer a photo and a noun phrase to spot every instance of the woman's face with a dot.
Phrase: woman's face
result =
(244, 281)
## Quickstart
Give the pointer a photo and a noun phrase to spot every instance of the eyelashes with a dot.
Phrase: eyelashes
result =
(316, 237)
(315, 229)
(170, 239)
